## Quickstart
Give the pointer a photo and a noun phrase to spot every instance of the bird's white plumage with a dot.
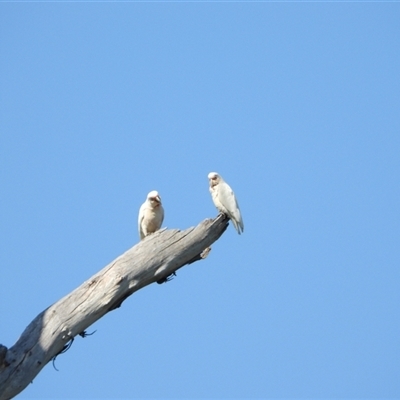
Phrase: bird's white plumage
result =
(225, 200)
(151, 215)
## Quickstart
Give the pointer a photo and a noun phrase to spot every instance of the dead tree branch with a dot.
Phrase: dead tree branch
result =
(153, 259)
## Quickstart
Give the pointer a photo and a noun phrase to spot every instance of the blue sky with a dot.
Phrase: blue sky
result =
(295, 104)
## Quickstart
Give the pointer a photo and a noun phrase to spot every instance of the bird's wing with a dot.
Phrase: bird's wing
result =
(228, 200)
(161, 215)
(140, 219)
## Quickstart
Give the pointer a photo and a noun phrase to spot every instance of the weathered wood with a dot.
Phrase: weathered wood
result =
(3, 352)
(151, 260)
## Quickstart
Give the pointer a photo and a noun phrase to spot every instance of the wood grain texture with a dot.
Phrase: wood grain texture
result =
(149, 261)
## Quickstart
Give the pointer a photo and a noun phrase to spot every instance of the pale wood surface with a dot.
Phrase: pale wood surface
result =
(151, 260)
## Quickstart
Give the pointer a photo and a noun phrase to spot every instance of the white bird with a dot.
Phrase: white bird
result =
(225, 201)
(151, 215)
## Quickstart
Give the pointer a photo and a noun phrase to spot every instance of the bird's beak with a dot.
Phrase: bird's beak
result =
(158, 198)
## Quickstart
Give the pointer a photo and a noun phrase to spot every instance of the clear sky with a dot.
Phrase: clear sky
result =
(296, 105)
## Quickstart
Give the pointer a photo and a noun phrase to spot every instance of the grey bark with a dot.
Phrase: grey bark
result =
(151, 260)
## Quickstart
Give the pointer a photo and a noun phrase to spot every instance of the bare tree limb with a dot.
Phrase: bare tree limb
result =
(151, 260)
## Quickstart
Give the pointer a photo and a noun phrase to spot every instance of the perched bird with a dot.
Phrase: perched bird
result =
(225, 201)
(151, 215)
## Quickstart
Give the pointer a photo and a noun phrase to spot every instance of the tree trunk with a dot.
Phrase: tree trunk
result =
(151, 260)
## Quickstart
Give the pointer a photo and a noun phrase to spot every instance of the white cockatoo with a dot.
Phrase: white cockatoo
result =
(225, 201)
(151, 215)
